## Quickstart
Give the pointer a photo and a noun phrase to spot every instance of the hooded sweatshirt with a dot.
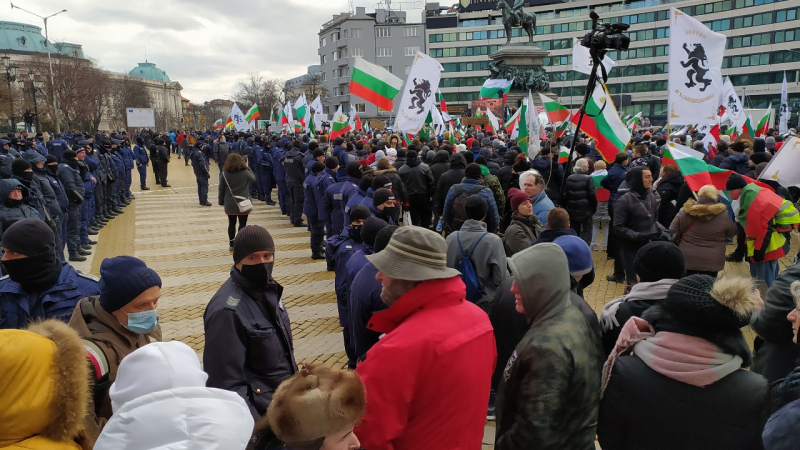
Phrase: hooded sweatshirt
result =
(161, 401)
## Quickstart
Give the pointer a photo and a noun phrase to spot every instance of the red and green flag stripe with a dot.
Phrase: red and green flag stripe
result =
(374, 84)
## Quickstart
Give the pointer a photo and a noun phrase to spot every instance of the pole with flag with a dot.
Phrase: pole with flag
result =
(763, 124)
(496, 88)
(340, 125)
(783, 124)
(301, 108)
(287, 120)
(374, 84)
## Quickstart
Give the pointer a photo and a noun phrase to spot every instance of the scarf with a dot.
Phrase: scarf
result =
(688, 359)
(654, 290)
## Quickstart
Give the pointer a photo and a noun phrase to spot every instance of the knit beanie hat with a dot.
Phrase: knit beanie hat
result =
(19, 165)
(476, 207)
(579, 255)
(760, 157)
(353, 169)
(659, 260)
(317, 153)
(30, 237)
(516, 198)
(359, 212)
(473, 171)
(380, 197)
(381, 181)
(521, 166)
(372, 226)
(331, 162)
(735, 181)
(724, 304)
(69, 154)
(411, 155)
(480, 160)
(383, 237)
(251, 239)
(317, 167)
(725, 138)
(314, 403)
(49, 159)
(122, 279)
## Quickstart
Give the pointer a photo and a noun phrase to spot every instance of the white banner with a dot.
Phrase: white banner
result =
(418, 94)
(534, 128)
(695, 76)
(784, 167)
(582, 59)
(238, 118)
(316, 105)
(783, 123)
(729, 100)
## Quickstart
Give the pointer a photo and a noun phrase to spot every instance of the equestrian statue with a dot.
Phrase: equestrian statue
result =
(515, 17)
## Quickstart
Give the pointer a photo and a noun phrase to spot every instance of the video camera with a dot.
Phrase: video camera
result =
(605, 36)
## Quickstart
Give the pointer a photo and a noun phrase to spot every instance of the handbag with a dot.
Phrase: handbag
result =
(244, 203)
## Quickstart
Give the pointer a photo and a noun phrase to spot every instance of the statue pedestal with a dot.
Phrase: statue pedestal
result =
(523, 61)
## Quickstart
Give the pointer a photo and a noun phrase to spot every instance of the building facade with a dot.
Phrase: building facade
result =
(296, 86)
(762, 37)
(383, 38)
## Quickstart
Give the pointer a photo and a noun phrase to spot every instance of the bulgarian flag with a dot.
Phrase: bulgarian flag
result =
(312, 127)
(340, 125)
(602, 123)
(523, 133)
(757, 208)
(374, 84)
(357, 121)
(408, 137)
(478, 112)
(562, 129)
(556, 112)
(748, 128)
(218, 124)
(286, 114)
(496, 88)
(563, 154)
(443, 106)
(600, 192)
(228, 122)
(252, 114)
(301, 108)
(695, 171)
(509, 126)
(763, 124)
(633, 122)
(731, 131)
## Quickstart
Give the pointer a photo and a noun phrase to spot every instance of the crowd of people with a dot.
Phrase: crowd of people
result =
(460, 267)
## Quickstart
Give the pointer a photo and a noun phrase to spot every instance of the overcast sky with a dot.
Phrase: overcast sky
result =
(206, 45)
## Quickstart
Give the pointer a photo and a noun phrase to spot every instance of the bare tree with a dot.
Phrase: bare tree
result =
(256, 89)
(313, 86)
(127, 92)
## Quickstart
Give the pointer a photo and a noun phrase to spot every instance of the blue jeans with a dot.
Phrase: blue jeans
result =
(766, 271)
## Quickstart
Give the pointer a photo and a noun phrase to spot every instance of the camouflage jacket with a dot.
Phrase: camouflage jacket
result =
(549, 396)
(493, 183)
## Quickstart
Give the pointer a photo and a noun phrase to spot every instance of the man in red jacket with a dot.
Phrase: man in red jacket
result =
(428, 378)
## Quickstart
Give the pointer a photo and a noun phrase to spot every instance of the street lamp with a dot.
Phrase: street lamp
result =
(50, 61)
(11, 76)
(35, 85)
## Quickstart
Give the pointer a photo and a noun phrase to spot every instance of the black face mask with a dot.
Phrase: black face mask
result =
(34, 273)
(355, 232)
(52, 169)
(26, 177)
(12, 203)
(258, 274)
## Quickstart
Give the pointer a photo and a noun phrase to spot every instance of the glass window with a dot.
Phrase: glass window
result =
(323, 42)
(384, 32)
(411, 51)
(360, 107)
(410, 31)
(355, 33)
(384, 52)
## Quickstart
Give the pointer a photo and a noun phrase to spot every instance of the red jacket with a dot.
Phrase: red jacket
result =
(428, 378)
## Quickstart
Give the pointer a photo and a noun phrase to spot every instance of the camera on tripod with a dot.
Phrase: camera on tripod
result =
(605, 36)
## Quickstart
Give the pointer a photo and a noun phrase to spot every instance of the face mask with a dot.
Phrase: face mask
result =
(142, 322)
(258, 274)
(26, 176)
(52, 170)
(12, 203)
(34, 273)
(355, 232)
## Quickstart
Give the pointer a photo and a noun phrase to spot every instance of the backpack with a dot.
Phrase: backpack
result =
(459, 205)
(467, 268)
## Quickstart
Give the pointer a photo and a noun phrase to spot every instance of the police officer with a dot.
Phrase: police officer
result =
(311, 211)
(128, 158)
(265, 172)
(119, 165)
(295, 175)
(38, 285)
(163, 162)
(278, 151)
(70, 172)
(220, 152)
(249, 338)
(88, 206)
(57, 146)
(201, 174)
(112, 176)
(7, 155)
(41, 184)
(325, 180)
(153, 149)
(142, 161)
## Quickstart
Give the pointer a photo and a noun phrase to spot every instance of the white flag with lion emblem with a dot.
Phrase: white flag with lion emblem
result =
(418, 94)
(695, 75)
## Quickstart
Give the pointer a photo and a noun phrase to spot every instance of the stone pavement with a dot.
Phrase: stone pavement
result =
(188, 246)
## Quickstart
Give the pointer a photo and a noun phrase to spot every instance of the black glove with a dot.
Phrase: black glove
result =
(786, 390)
(75, 196)
(758, 255)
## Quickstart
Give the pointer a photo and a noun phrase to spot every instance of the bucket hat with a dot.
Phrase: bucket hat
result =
(414, 254)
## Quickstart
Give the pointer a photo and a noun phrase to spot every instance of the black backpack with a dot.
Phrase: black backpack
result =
(459, 203)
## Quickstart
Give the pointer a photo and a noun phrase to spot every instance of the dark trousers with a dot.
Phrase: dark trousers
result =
(612, 249)
(420, 209)
(627, 252)
(142, 176)
(128, 182)
(87, 211)
(73, 228)
(349, 348)
(265, 183)
(99, 200)
(583, 228)
(283, 196)
(163, 169)
(156, 171)
(298, 197)
(741, 247)
(202, 189)
(232, 218)
(108, 194)
(317, 234)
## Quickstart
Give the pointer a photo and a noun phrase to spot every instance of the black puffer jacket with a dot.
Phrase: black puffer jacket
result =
(553, 175)
(579, 198)
(448, 179)
(417, 178)
(440, 165)
(669, 189)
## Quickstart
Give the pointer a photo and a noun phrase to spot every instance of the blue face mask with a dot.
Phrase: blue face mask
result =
(142, 322)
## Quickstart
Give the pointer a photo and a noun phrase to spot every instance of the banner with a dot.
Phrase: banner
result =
(730, 103)
(783, 124)
(238, 118)
(582, 60)
(695, 76)
(783, 167)
(418, 94)
(316, 105)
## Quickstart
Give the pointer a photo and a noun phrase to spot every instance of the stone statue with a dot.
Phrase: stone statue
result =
(515, 17)
(525, 78)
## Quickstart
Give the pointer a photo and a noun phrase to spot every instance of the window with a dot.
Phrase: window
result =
(383, 32)
(333, 56)
(410, 31)
(323, 42)
(357, 52)
(411, 51)
(334, 36)
(324, 76)
(389, 68)
(360, 107)
(384, 52)
(336, 91)
(323, 59)
(344, 72)
(355, 33)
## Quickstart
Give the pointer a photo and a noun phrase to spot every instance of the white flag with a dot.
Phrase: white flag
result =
(493, 120)
(582, 59)
(783, 124)
(695, 76)
(783, 167)
(238, 118)
(438, 120)
(729, 100)
(534, 128)
(287, 114)
(418, 94)
(316, 105)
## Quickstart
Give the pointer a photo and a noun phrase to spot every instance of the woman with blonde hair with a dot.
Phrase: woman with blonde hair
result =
(234, 192)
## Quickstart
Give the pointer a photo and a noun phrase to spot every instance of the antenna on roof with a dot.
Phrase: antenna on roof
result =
(145, 53)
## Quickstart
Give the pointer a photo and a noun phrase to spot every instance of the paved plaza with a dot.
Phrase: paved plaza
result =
(188, 246)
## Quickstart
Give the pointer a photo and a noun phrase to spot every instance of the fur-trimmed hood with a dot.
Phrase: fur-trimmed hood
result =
(704, 209)
(44, 387)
